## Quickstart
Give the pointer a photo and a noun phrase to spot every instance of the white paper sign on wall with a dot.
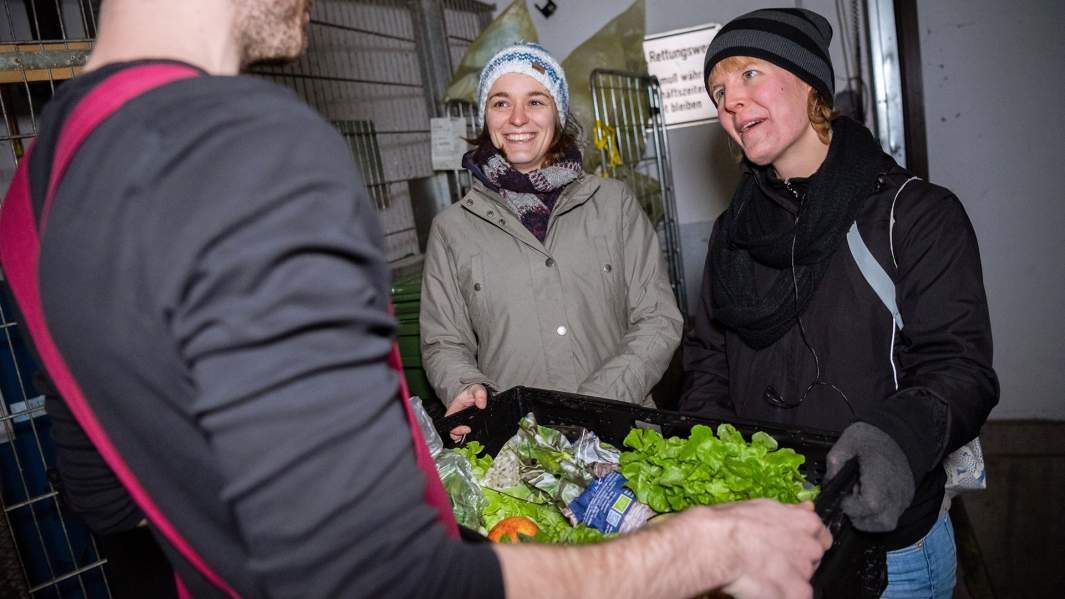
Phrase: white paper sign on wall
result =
(448, 145)
(676, 58)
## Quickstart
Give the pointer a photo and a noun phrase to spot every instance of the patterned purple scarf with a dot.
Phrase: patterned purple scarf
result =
(531, 195)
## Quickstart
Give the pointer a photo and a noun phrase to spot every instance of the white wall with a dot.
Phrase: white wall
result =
(994, 89)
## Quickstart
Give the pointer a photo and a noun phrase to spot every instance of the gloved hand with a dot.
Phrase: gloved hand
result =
(885, 482)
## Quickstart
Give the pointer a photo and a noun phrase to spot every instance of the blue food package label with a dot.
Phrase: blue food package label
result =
(607, 506)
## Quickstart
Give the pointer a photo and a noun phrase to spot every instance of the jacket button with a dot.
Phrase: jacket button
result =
(502, 222)
(549, 262)
(469, 202)
(561, 330)
(607, 268)
(476, 286)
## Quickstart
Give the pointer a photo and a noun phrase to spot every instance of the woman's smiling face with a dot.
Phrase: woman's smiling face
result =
(521, 119)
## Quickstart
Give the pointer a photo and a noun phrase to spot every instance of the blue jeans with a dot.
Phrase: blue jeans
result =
(926, 569)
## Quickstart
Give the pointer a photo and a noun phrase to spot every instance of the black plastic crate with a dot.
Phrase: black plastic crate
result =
(853, 568)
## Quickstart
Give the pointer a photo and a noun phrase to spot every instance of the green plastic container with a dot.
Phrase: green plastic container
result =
(407, 290)
(406, 302)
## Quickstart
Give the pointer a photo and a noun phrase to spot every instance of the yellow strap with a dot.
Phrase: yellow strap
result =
(606, 138)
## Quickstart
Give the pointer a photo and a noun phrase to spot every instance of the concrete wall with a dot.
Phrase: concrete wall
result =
(993, 91)
(1017, 522)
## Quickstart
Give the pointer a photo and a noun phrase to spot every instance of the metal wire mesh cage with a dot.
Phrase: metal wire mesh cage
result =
(362, 138)
(365, 69)
(43, 551)
(361, 70)
(629, 132)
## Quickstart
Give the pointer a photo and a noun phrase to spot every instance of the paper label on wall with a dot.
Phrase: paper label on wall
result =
(25, 410)
(676, 58)
(448, 145)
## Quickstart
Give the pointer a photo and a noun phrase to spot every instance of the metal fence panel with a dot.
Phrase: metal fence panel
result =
(361, 65)
(630, 134)
(42, 43)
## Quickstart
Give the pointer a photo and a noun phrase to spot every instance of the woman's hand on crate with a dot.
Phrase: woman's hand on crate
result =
(885, 481)
(474, 395)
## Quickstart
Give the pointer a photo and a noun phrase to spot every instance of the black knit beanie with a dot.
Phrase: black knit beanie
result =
(794, 39)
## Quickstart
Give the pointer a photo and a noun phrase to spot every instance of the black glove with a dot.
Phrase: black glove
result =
(885, 482)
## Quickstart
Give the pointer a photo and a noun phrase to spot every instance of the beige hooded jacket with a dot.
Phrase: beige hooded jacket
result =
(590, 310)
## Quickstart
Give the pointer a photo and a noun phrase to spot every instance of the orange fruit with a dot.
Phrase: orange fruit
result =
(508, 529)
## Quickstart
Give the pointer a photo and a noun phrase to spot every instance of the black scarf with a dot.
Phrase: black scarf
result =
(755, 229)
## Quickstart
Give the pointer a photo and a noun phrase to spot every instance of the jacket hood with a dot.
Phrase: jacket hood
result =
(470, 164)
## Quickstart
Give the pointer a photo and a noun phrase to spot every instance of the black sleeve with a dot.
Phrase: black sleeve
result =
(947, 386)
(706, 388)
(283, 323)
(87, 485)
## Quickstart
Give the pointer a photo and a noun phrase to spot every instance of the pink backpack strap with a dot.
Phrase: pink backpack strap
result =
(435, 494)
(20, 256)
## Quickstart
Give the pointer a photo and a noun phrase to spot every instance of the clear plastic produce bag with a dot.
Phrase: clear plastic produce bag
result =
(467, 499)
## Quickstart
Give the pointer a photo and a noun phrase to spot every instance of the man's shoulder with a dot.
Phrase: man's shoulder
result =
(221, 103)
(213, 152)
(238, 125)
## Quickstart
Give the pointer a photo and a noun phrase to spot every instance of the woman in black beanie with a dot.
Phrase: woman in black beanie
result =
(840, 293)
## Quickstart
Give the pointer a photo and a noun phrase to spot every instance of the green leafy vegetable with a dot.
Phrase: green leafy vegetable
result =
(522, 500)
(481, 464)
(672, 474)
(667, 474)
(554, 528)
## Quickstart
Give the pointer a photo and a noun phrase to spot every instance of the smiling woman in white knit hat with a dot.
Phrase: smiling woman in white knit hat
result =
(840, 293)
(543, 275)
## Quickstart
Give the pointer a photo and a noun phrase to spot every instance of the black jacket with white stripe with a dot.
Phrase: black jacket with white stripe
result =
(929, 386)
